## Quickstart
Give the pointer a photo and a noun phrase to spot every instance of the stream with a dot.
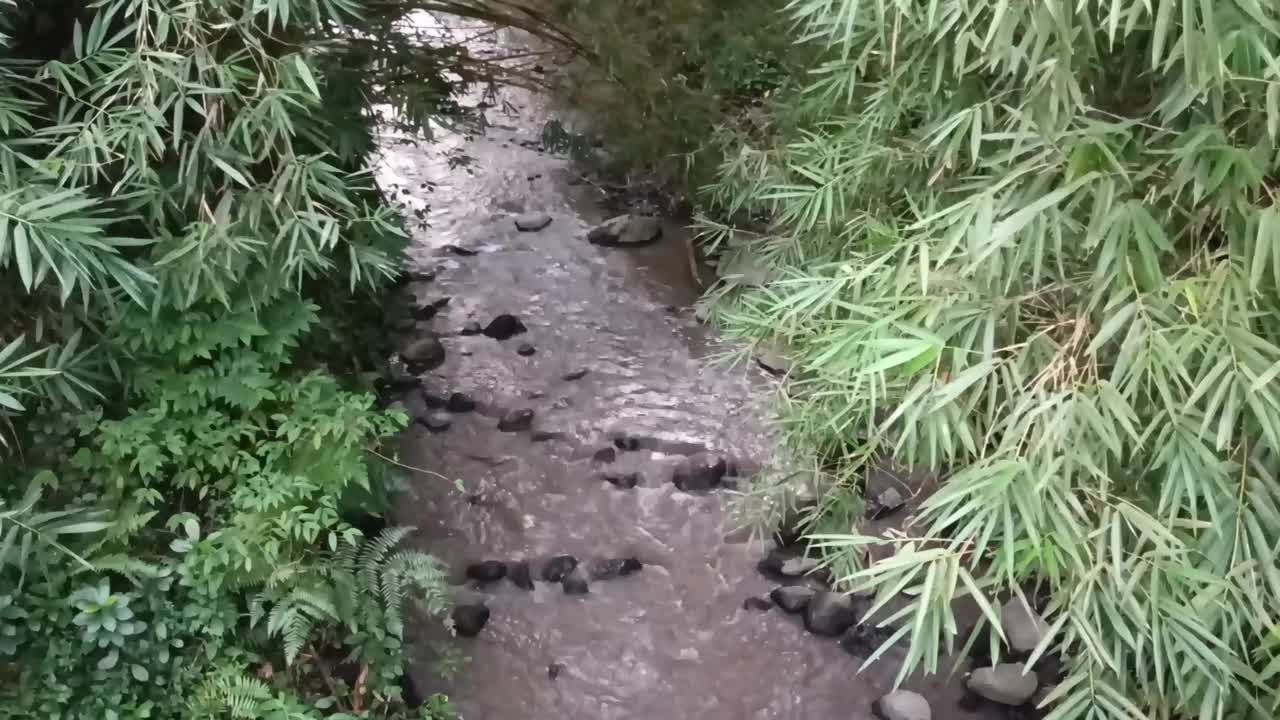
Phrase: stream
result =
(624, 390)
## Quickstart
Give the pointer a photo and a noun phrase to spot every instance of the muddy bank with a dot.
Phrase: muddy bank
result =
(581, 419)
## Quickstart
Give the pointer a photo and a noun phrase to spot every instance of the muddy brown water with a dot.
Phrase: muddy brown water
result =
(674, 640)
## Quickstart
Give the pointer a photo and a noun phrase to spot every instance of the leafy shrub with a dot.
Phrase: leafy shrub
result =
(1034, 247)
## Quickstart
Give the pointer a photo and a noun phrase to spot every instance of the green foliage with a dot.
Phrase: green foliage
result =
(185, 213)
(1033, 247)
(659, 76)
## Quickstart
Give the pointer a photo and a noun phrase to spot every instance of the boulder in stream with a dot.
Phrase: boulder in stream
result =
(902, 705)
(423, 354)
(620, 480)
(608, 569)
(532, 221)
(1024, 628)
(516, 421)
(487, 571)
(519, 574)
(792, 598)
(830, 613)
(604, 455)
(626, 231)
(460, 403)
(469, 620)
(576, 583)
(504, 326)
(699, 473)
(558, 567)
(1006, 683)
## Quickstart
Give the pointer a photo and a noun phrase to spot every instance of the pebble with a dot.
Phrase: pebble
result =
(532, 222)
(525, 350)
(471, 328)
(622, 481)
(758, 604)
(614, 568)
(575, 374)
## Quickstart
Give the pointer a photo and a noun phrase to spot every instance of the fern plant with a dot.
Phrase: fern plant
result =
(1034, 248)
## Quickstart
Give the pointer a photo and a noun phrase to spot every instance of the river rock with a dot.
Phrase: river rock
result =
(605, 455)
(434, 400)
(902, 705)
(469, 620)
(576, 583)
(700, 472)
(516, 421)
(526, 349)
(622, 481)
(792, 598)
(575, 374)
(608, 569)
(487, 571)
(626, 443)
(504, 326)
(888, 502)
(458, 250)
(864, 639)
(532, 221)
(1023, 627)
(423, 354)
(757, 604)
(558, 567)
(519, 574)
(437, 421)
(460, 403)
(830, 613)
(425, 312)
(471, 328)
(799, 566)
(773, 361)
(1006, 683)
(626, 231)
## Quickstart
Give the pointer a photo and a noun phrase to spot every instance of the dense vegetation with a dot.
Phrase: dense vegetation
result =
(186, 221)
(1032, 248)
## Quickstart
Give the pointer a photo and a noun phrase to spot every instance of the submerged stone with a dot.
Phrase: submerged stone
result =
(469, 620)
(504, 327)
(532, 221)
(516, 421)
(558, 567)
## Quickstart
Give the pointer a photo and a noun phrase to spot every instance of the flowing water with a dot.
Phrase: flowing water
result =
(674, 640)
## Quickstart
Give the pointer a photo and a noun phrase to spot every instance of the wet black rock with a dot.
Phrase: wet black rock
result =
(554, 670)
(792, 598)
(622, 481)
(423, 354)
(699, 473)
(461, 403)
(525, 350)
(757, 604)
(558, 567)
(608, 569)
(830, 613)
(456, 250)
(626, 231)
(469, 620)
(441, 303)
(437, 421)
(885, 504)
(626, 443)
(532, 222)
(504, 326)
(605, 455)
(519, 574)
(859, 640)
(471, 328)
(576, 374)
(575, 583)
(422, 275)
(425, 312)
(435, 399)
(487, 571)
(545, 435)
(516, 421)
